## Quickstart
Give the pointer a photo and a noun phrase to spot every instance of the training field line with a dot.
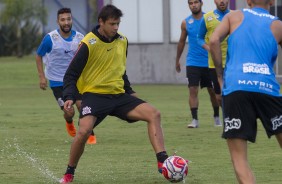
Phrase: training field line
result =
(30, 159)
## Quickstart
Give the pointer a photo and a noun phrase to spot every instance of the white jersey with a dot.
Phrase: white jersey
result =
(57, 61)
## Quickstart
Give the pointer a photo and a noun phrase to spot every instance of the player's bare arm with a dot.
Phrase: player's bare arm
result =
(41, 75)
(217, 37)
(181, 45)
(276, 28)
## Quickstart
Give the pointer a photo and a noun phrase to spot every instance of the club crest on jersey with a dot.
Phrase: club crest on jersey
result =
(210, 18)
(191, 21)
(92, 41)
(121, 37)
(55, 36)
(216, 15)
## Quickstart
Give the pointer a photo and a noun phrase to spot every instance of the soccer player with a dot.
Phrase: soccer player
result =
(98, 72)
(209, 23)
(249, 87)
(196, 62)
(55, 53)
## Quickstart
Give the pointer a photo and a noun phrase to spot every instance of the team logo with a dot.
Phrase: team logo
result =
(216, 15)
(55, 36)
(121, 37)
(256, 68)
(210, 18)
(232, 124)
(92, 41)
(86, 110)
(276, 122)
(191, 21)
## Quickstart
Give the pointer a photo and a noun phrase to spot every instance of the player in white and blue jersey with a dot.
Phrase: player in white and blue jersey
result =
(250, 90)
(53, 58)
(196, 63)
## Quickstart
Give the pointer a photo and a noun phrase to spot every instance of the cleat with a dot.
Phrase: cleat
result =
(67, 179)
(193, 124)
(71, 129)
(91, 139)
(160, 167)
(217, 121)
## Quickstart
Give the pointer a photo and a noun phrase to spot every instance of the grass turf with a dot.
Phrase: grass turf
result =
(34, 145)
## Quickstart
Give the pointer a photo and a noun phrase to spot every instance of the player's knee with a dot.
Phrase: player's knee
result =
(155, 114)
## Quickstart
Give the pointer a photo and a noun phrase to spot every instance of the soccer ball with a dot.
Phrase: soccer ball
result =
(175, 169)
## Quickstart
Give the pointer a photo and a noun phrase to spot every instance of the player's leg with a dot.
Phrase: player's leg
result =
(238, 153)
(279, 139)
(240, 126)
(193, 77)
(92, 137)
(68, 115)
(86, 125)
(207, 82)
(215, 95)
(133, 109)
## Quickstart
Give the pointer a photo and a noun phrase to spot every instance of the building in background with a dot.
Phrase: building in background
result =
(152, 28)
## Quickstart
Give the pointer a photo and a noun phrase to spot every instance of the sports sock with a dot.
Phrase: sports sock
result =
(162, 156)
(70, 170)
(216, 111)
(69, 121)
(194, 112)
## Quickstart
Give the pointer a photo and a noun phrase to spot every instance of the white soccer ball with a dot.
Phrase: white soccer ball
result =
(175, 169)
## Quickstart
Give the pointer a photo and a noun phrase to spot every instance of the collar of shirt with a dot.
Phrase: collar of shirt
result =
(220, 14)
(101, 37)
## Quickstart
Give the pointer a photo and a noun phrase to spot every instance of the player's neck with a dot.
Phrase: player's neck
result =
(197, 15)
(65, 35)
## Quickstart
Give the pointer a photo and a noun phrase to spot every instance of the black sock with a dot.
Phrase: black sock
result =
(70, 170)
(162, 156)
(216, 111)
(194, 112)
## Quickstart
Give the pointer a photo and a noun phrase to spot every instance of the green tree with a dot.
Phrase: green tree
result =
(21, 16)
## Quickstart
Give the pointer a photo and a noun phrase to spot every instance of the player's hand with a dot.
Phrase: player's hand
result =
(43, 83)
(177, 67)
(68, 105)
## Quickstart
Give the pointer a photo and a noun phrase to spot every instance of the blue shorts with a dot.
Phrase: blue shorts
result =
(241, 109)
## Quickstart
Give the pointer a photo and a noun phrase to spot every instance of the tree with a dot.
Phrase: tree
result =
(22, 15)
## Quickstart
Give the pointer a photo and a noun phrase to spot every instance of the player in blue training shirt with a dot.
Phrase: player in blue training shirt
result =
(56, 52)
(196, 63)
(250, 90)
(209, 23)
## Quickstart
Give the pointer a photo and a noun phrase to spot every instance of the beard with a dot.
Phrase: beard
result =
(196, 12)
(66, 30)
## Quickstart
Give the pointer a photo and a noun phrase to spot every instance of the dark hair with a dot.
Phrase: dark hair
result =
(63, 10)
(109, 11)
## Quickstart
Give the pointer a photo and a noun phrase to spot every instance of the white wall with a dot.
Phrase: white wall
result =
(142, 21)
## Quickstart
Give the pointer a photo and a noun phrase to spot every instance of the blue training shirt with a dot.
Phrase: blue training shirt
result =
(252, 52)
(196, 56)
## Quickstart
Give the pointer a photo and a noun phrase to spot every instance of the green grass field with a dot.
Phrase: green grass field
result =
(34, 145)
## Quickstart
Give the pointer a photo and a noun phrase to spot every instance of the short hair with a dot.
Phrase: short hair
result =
(109, 11)
(63, 10)
(199, 1)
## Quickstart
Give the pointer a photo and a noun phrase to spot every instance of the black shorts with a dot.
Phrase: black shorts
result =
(58, 94)
(102, 105)
(198, 76)
(241, 109)
(214, 81)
